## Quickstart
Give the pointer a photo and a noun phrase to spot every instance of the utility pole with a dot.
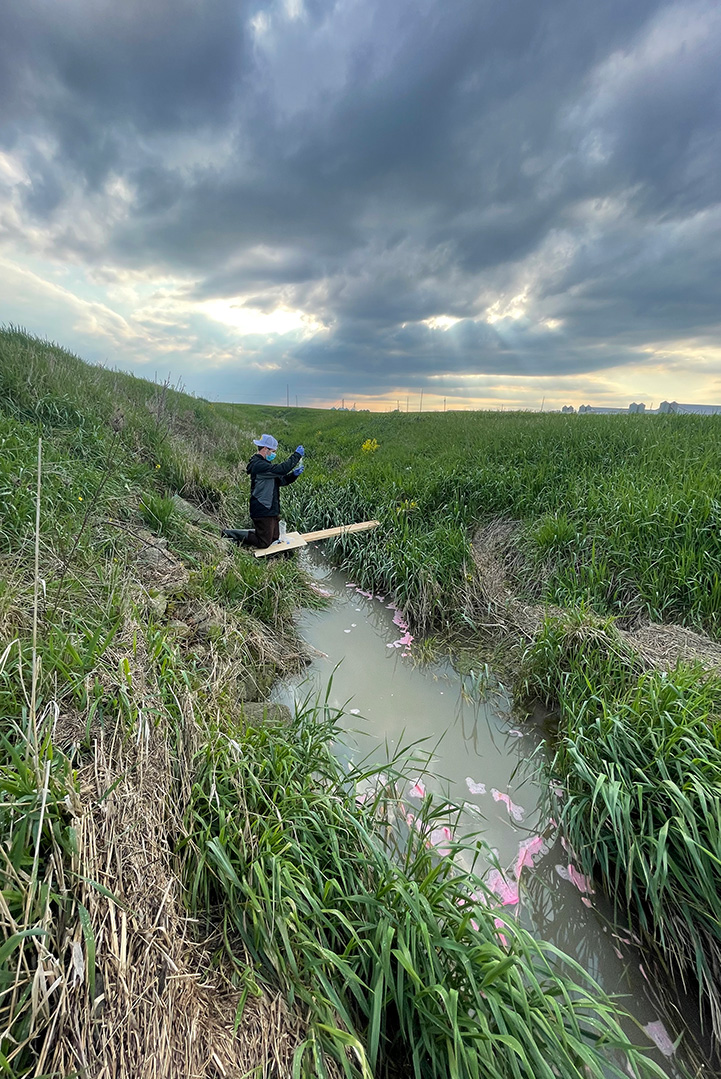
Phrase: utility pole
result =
(543, 402)
(444, 404)
(398, 405)
(342, 402)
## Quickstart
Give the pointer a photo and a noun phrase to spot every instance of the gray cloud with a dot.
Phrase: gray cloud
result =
(379, 165)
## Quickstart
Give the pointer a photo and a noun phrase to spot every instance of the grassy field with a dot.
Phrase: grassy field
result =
(139, 783)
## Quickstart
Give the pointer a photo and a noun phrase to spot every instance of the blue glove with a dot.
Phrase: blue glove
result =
(300, 450)
(297, 471)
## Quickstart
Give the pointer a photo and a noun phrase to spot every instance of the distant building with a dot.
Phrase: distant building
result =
(691, 410)
(639, 408)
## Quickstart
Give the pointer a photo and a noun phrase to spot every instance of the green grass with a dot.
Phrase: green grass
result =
(401, 965)
(617, 517)
(639, 756)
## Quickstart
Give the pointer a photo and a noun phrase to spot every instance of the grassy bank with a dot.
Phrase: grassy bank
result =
(189, 884)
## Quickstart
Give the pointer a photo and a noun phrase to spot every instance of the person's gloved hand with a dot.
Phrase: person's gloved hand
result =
(297, 471)
(300, 450)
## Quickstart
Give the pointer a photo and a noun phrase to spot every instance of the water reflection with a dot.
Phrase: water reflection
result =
(468, 748)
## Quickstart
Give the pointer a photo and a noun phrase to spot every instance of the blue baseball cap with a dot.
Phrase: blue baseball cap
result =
(266, 440)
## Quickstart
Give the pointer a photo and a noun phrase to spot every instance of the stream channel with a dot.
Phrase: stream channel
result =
(474, 752)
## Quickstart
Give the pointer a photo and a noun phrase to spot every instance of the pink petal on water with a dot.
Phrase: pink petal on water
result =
(618, 953)
(418, 789)
(514, 811)
(516, 734)
(506, 892)
(391, 607)
(586, 901)
(391, 645)
(351, 585)
(657, 1033)
(475, 788)
(355, 711)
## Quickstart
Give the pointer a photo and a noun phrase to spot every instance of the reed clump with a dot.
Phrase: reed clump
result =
(639, 758)
(397, 958)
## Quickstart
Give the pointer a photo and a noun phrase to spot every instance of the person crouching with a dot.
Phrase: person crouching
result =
(266, 479)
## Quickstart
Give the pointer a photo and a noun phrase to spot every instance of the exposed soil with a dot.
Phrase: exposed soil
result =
(656, 645)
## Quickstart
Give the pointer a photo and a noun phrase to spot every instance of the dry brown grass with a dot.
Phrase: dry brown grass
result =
(158, 1009)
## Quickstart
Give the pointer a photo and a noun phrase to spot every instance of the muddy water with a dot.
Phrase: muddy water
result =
(468, 747)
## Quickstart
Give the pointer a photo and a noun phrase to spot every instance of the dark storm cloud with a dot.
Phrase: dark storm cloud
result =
(379, 164)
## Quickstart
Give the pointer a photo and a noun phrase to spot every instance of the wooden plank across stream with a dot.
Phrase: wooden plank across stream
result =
(294, 540)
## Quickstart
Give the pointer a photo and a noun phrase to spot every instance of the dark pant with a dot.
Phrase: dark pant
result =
(267, 531)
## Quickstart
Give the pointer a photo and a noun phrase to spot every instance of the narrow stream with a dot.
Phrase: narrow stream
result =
(475, 752)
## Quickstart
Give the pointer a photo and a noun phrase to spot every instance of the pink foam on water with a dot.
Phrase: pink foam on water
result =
(527, 851)
(501, 936)
(657, 1033)
(568, 849)
(418, 790)
(506, 891)
(438, 837)
(475, 788)
(515, 811)
(570, 873)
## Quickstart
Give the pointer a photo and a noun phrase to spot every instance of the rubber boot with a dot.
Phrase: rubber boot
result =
(237, 535)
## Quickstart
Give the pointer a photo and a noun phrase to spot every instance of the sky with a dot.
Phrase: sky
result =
(491, 204)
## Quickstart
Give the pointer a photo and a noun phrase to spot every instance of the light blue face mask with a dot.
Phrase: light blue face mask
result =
(270, 456)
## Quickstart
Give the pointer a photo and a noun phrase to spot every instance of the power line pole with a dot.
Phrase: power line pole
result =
(444, 404)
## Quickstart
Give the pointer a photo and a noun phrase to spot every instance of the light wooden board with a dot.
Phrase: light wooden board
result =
(293, 540)
(340, 530)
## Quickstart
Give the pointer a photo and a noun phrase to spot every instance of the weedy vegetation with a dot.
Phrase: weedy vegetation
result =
(187, 888)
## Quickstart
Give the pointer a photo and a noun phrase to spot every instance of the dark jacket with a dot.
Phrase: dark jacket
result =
(266, 479)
